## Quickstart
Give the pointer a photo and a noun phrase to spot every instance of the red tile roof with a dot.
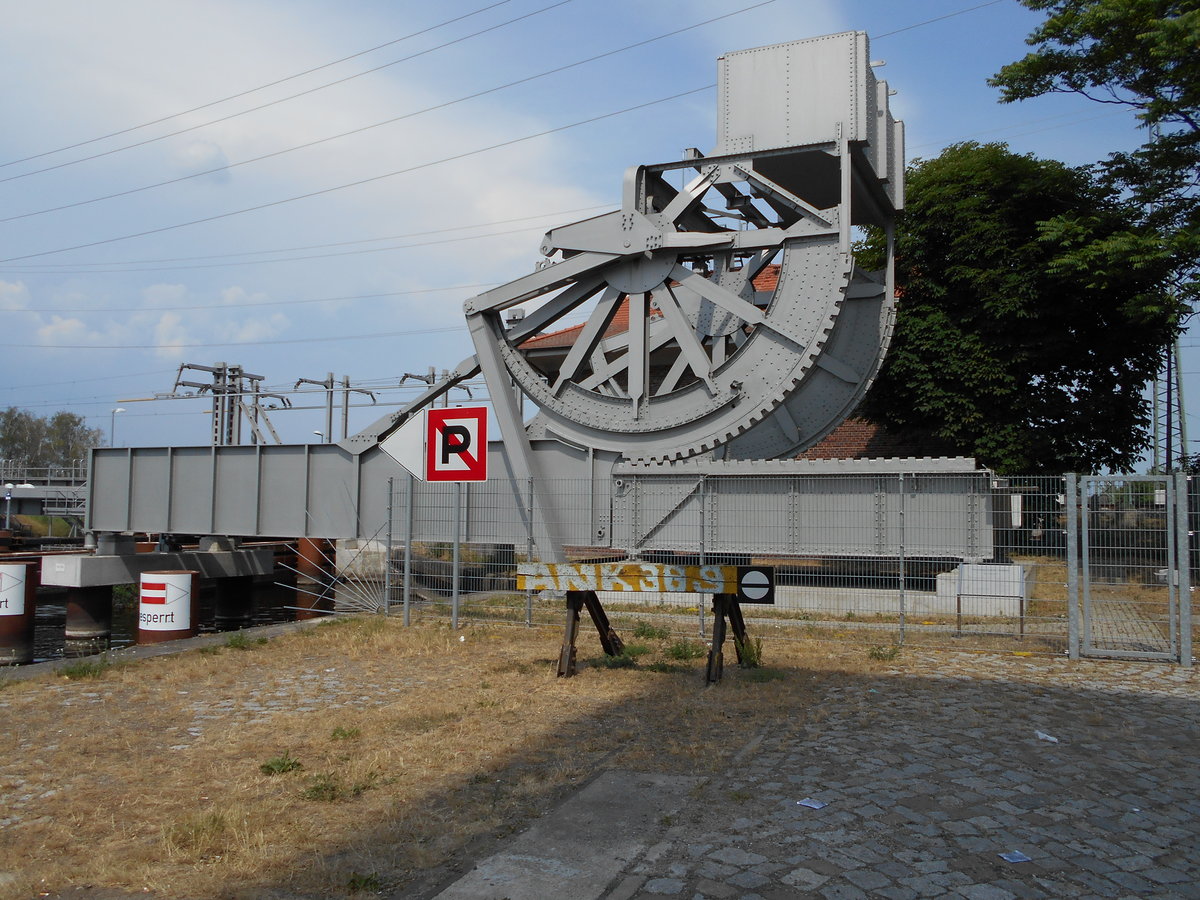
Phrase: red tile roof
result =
(859, 439)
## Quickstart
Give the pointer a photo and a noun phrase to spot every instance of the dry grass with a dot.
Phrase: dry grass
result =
(414, 747)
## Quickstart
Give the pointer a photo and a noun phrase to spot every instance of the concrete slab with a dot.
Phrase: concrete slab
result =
(94, 571)
(580, 847)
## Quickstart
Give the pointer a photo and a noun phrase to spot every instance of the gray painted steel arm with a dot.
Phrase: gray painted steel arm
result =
(385, 425)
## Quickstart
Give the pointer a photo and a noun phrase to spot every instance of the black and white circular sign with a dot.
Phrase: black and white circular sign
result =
(756, 584)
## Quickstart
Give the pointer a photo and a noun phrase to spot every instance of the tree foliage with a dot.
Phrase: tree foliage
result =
(60, 440)
(1032, 312)
(1141, 54)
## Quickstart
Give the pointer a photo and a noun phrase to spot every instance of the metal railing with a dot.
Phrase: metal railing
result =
(20, 472)
(1085, 566)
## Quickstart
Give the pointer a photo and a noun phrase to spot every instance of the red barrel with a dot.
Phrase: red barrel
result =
(314, 581)
(167, 610)
(18, 602)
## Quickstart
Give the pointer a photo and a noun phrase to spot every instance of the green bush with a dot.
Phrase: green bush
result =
(685, 649)
(649, 632)
(280, 764)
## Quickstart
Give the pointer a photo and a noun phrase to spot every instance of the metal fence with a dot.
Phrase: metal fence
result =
(1135, 567)
(1089, 565)
(20, 472)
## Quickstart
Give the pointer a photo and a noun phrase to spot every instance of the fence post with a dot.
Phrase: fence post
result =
(387, 551)
(703, 526)
(1174, 605)
(1184, 561)
(1072, 499)
(901, 563)
(408, 541)
(529, 551)
(457, 573)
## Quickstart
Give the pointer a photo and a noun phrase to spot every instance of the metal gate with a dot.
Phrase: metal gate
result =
(1132, 587)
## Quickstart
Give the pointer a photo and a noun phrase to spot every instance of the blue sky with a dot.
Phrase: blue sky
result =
(368, 281)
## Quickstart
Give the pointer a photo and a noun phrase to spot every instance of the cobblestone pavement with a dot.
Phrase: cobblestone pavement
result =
(1008, 778)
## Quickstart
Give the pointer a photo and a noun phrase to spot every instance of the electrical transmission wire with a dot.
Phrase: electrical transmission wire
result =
(89, 379)
(291, 259)
(436, 107)
(936, 19)
(258, 303)
(83, 266)
(362, 181)
(263, 106)
(248, 91)
(167, 345)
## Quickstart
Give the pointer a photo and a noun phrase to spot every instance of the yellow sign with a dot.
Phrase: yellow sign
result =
(627, 576)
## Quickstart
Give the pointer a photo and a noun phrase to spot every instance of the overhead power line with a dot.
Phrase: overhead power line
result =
(84, 266)
(256, 343)
(290, 259)
(89, 379)
(248, 91)
(436, 107)
(305, 93)
(257, 303)
(936, 19)
(362, 181)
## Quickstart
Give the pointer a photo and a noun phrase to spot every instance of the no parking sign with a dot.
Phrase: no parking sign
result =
(447, 444)
(456, 444)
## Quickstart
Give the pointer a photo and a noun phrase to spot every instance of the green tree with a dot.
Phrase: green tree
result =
(36, 441)
(1140, 54)
(1032, 312)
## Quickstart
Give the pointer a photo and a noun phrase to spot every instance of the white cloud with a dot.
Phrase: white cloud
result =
(61, 331)
(164, 294)
(253, 329)
(170, 336)
(14, 295)
(196, 157)
(237, 295)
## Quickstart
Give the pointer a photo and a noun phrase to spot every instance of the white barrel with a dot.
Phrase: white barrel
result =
(165, 605)
(18, 610)
(13, 586)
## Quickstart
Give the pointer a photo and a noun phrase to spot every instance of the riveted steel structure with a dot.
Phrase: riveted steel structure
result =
(726, 327)
(708, 361)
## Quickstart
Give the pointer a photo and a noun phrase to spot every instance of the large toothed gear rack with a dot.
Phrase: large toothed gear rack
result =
(725, 315)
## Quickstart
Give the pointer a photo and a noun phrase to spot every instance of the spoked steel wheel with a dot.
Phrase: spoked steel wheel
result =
(725, 314)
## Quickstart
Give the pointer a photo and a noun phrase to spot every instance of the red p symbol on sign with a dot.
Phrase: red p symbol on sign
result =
(456, 444)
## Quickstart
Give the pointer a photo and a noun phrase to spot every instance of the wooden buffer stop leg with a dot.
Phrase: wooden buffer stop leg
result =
(609, 639)
(725, 607)
(731, 585)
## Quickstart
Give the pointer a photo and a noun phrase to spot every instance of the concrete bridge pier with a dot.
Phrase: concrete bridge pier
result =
(89, 613)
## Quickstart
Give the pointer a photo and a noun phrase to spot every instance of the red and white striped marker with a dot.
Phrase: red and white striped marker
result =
(165, 606)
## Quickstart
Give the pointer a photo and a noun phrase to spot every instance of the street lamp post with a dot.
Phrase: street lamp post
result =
(8, 488)
(321, 435)
(112, 425)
